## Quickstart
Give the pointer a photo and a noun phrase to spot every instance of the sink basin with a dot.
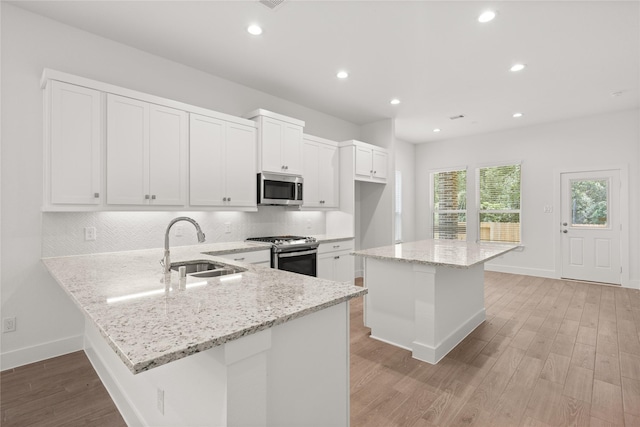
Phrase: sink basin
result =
(204, 268)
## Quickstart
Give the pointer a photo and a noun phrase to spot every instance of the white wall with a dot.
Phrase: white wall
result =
(405, 154)
(47, 322)
(597, 142)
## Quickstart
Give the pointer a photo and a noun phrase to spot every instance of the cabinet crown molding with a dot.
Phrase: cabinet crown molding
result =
(266, 113)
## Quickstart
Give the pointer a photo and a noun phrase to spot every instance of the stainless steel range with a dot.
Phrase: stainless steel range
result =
(297, 254)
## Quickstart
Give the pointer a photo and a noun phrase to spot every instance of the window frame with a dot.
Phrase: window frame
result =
(478, 201)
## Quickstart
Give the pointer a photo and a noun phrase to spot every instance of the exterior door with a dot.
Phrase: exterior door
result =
(590, 226)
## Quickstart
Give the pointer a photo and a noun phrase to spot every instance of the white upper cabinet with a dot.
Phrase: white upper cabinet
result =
(222, 160)
(321, 168)
(146, 153)
(73, 164)
(279, 142)
(371, 162)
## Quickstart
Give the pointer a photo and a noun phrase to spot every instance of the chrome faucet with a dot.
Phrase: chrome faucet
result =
(166, 260)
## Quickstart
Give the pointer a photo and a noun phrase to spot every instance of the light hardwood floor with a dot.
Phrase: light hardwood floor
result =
(551, 353)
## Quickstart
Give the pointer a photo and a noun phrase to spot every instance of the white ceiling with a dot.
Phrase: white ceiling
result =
(434, 56)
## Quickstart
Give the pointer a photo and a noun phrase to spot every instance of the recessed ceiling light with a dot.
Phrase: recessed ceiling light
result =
(342, 75)
(516, 115)
(517, 67)
(436, 130)
(617, 93)
(254, 30)
(486, 16)
(395, 101)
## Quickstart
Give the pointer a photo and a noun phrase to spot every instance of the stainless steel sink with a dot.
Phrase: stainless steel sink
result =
(204, 268)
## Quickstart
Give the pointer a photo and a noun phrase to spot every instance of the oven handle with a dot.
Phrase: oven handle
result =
(292, 254)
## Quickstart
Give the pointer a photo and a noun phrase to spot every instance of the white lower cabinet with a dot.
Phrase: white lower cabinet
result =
(335, 262)
(222, 160)
(255, 257)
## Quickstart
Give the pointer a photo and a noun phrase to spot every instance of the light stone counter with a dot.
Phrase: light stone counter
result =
(450, 253)
(149, 323)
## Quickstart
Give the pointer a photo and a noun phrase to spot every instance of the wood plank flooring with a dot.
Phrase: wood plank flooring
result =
(63, 391)
(551, 353)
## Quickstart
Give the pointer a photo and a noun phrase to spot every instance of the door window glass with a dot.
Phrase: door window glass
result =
(590, 203)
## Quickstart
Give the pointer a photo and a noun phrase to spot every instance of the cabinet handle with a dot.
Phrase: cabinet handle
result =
(153, 197)
(96, 195)
(336, 257)
(239, 259)
(336, 246)
(146, 197)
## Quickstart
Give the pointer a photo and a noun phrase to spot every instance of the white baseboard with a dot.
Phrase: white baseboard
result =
(538, 272)
(633, 284)
(24, 356)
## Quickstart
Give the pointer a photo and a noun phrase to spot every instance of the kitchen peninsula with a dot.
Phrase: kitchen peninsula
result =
(256, 347)
(426, 296)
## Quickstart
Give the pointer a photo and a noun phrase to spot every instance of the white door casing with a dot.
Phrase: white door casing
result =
(591, 229)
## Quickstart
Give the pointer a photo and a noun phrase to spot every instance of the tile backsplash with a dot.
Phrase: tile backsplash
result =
(63, 232)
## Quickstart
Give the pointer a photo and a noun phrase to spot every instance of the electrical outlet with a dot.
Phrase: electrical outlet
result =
(548, 209)
(308, 224)
(9, 324)
(227, 227)
(160, 396)
(179, 229)
(89, 233)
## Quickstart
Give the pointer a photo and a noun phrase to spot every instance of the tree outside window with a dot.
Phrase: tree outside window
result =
(499, 197)
(450, 205)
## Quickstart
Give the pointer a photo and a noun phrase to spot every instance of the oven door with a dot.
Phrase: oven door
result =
(301, 261)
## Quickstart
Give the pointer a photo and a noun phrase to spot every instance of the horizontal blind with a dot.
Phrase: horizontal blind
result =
(449, 216)
(499, 197)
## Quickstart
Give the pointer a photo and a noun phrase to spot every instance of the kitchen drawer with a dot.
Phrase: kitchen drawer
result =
(343, 245)
(253, 257)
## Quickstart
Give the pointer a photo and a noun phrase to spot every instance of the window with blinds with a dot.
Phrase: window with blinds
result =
(449, 212)
(499, 203)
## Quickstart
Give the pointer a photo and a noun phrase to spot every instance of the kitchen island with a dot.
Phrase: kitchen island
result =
(426, 296)
(255, 347)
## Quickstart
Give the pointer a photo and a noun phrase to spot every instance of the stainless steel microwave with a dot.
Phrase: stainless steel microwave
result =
(277, 189)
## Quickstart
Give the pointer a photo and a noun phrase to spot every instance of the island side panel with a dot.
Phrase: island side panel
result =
(308, 383)
(449, 305)
(389, 305)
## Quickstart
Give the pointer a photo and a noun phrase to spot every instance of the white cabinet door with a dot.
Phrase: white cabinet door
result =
(271, 145)
(127, 151)
(292, 148)
(364, 162)
(343, 268)
(74, 152)
(325, 267)
(167, 155)
(311, 174)
(206, 161)
(240, 165)
(380, 164)
(328, 175)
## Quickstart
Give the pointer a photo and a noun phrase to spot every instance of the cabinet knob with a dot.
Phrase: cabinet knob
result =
(286, 167)
(147, 197)
(336, 257)
(153, 197)
(96, 195)
(375, 172)
(228, 199)
(224, 199)
(371, 171)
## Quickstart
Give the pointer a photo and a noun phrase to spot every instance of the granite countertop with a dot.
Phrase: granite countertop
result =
(149, 323)
(450, 253)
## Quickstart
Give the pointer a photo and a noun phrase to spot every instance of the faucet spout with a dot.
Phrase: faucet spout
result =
(166, 260)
